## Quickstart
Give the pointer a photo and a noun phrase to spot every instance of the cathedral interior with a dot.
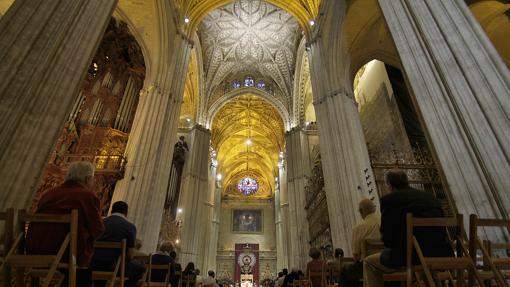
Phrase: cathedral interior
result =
(256, 124)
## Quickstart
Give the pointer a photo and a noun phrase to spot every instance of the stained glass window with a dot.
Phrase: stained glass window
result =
(249, 82)
(248, 186)
(236, 84)
(261, 85)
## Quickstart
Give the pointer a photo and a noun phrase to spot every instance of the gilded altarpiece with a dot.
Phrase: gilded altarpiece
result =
(98, 126)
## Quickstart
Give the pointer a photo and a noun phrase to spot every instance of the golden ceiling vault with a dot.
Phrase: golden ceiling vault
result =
(248, 117)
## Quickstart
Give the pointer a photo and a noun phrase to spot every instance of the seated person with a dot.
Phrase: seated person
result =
(368, 228)
(394, 208)
(75, 193)
(315, 265)
(117, 229)
(336, 263)
(209, 281)
(188, 275)
(161, 257)
(175, 269)
(279, 281)
(293, 275)
(199, 277)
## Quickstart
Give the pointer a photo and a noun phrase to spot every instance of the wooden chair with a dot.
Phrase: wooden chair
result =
(371, 246)
(493, 268)
(150, 267)
(7, 237)
(438, 269)
(117, 275)
(187, 281)
(44, 266)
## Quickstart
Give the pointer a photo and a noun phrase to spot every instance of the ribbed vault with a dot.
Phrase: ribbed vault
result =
(302, 10)
(248, 117)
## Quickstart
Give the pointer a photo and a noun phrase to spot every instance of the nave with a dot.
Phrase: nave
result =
(243, 134)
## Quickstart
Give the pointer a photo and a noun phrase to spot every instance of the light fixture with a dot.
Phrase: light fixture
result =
(186, 20)
(307, 123)
(312, 22)
(179, 210)
(177, 241)
(248, 141)
(218, 176)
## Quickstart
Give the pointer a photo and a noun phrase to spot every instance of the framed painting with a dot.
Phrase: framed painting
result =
(247, 220)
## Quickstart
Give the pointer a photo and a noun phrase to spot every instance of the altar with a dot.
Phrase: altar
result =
(246, 265)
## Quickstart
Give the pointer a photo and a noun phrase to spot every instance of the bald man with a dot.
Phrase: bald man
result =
(368, 228)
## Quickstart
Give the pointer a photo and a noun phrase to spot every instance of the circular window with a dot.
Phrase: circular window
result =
(248, 186)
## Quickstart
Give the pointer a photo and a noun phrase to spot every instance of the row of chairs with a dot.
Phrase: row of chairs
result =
(49, 270)
(460, 270)
(456, 271)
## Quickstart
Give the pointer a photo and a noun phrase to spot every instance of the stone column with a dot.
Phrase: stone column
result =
(212, 243)
(151, 142)
(462, 91)
(282, 260)
(194, 196)
(345, 164)
(45, 50)
(345, 161)
(298, 166)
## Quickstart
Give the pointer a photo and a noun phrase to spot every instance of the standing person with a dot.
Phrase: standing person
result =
(117, 228)
(368, 228)
(75, 193)
(401, 200)
(315, 265)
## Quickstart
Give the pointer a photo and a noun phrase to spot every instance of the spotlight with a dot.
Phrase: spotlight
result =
(218, 176)
(312, 22)
(248, 141)
(186, 20)
(179, 210)
(177, 241)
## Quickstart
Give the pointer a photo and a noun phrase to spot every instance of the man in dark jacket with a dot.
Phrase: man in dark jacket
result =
(401, 200)
(117, 228)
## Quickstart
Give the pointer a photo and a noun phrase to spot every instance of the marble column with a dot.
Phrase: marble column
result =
(193, 197)
(298, 167)
(154, 132)
(45, 50)
(462, 92)
(281, 222)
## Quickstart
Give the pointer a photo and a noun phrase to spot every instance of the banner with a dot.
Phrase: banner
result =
(246, 265)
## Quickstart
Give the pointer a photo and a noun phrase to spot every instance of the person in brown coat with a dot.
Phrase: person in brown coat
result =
(75, 193)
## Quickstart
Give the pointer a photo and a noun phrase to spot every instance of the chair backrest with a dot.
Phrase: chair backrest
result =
(20, 260)
(488, 247)
(151, 267)
(371, 246)
(119, 267)
(459, 263)
(7, 217)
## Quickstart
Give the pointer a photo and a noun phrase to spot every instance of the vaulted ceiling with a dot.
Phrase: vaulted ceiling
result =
(248, 117)
(250, 38)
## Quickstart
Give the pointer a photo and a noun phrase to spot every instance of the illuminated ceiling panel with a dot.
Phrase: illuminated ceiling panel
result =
(248, 117)
(249, 37)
